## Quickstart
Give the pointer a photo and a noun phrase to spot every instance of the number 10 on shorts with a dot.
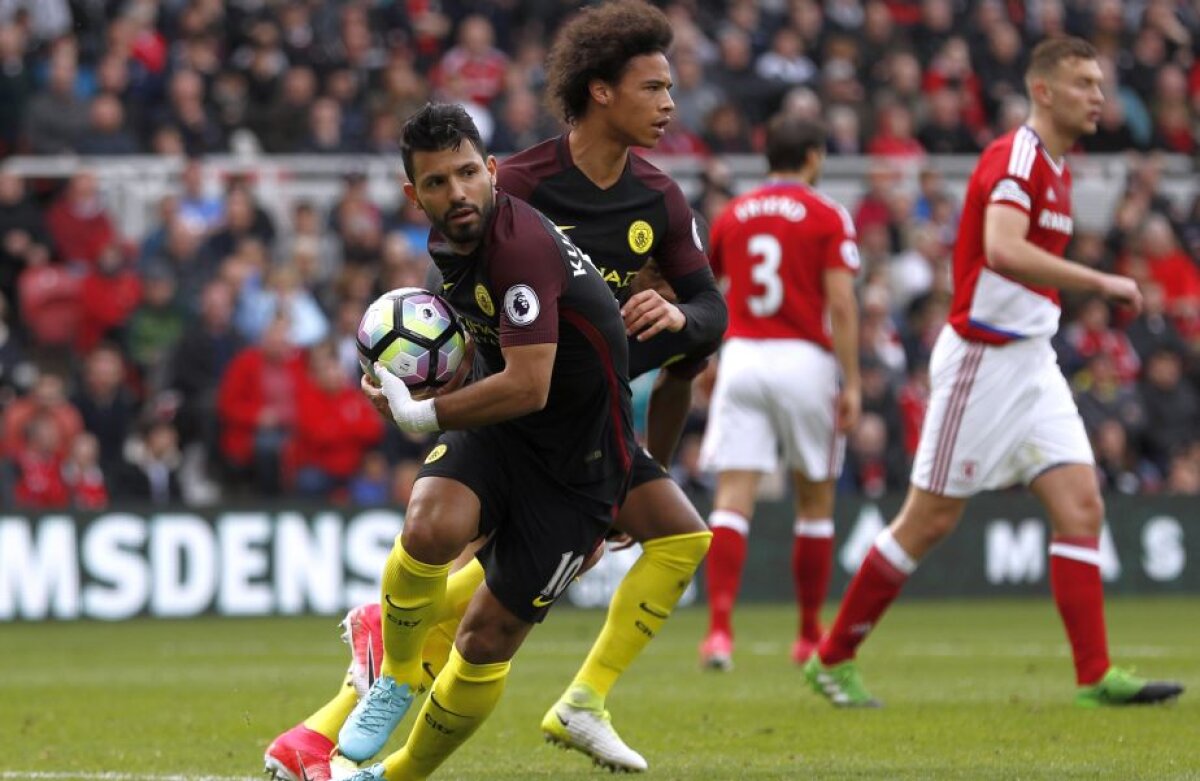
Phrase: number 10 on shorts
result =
(568, 568)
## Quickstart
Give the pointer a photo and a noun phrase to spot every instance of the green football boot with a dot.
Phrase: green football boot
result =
(841, 683)
(1122, 687)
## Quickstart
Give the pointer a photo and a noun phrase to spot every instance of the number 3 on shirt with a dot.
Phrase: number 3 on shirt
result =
(766, 273)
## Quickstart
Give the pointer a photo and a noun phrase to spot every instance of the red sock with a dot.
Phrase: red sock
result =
(812, 564)
(1079, 594)
(723, 573)
(877, 583)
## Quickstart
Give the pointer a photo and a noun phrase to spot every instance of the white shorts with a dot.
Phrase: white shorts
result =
(998, 415)
(774, 399)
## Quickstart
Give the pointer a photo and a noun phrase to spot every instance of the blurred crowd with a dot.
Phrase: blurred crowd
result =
(893, 77)
(213, 357)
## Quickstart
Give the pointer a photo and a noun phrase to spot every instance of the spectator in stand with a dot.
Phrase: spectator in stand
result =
(1183, 476)
(47, 398)
(357, 222)
(39, 480)
(521, 123)
(868, 470)
(198, 363)
(913, 401)
(1191, 225)
(243, 220)
(56, 119)
(1176, 273)
(106, 404)
(85, 480)
(944, 132)
(1118, 465)
(335, 427)
(21, 228)
(109, 295)
(1172, 407)
(49, 299)
(402, 91)
(1100, 396)
(199, 208)
(735, 76)
(152, 473)
(952, 69)
(1091, 333)
(1001, 65)
(933, 28)
(1153, 329)
(282, 125)
(107, 132)
(924, 320)
(1113, 133)
(16, 87)
(726, 131)
(845, 136)
(913, 273)
(325, 132)
(280, 294)
(256, 404)
(79, 226)
(894, 134)
(695, 96)
(186, 112)
(369, 487)
(786, 62)
(15, 370)
(474, 60)
(154, 329)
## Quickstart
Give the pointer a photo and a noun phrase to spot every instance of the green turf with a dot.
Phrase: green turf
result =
(974, 690)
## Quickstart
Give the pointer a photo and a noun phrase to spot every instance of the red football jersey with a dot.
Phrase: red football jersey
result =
(1017, 171)
(774, 245)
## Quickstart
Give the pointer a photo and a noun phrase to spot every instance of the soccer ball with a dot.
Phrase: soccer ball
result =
(415, 334)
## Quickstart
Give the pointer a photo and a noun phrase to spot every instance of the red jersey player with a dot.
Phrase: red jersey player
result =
(1001, 412)
(789, 256)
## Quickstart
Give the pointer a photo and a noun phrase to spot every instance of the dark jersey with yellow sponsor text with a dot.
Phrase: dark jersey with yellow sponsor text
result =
(528, 284)
(642, 216)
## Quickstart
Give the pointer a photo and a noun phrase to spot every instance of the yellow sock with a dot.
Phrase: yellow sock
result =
(436, 650)
(463, 696)
(640, 605)
(413, 593)
(459, 589)
(328, 719)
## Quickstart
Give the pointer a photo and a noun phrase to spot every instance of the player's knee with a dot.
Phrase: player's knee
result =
(1087, 514)
(430, 535)
(680, 551)
(926, 529)
(489, 642)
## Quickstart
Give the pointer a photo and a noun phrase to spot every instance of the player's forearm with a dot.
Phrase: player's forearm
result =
(666, 415)
(1021, 260)
(491, 400)
(704, 307)
(843, 320)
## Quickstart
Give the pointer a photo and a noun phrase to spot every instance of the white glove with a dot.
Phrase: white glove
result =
(416, 417)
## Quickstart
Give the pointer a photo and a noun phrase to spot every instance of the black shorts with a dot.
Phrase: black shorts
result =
(645, 469)
(543, 531)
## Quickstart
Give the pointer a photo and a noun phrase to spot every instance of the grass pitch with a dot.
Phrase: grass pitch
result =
(974, 690)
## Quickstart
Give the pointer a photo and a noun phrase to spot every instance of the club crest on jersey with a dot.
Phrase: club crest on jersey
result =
(436, 453)
(641, 237)
(484, 300)
(521, 305)
(1054, 221)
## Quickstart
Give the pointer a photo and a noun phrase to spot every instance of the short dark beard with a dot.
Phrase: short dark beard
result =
(466, 234)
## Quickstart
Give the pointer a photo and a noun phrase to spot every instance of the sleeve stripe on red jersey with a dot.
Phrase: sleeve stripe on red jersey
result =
(1024, 152)
(1008, 190)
